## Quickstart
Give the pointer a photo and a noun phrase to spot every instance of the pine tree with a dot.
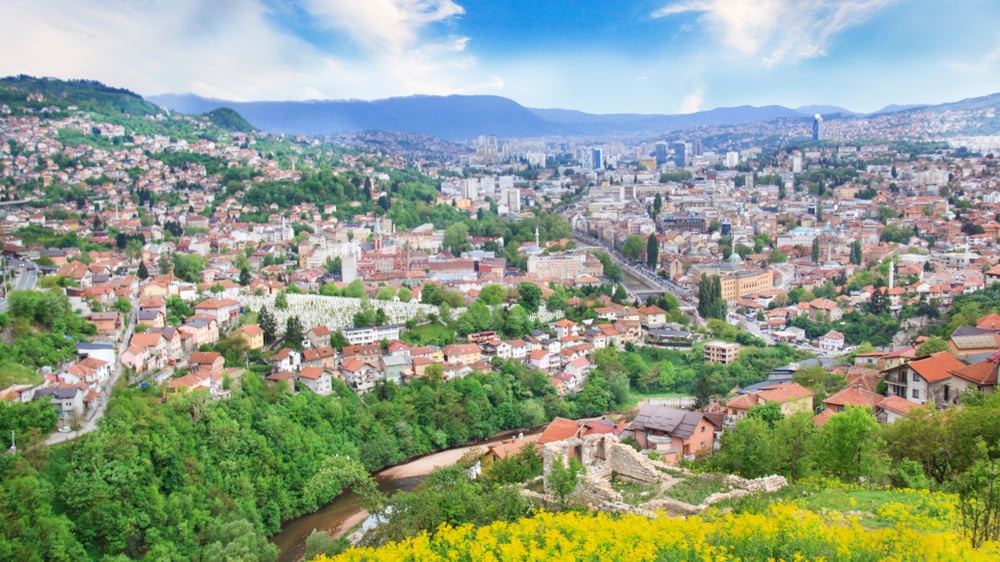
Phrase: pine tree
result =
(268, 324)
(815, 250)
(245, 277)
(143, 272)
(657, 205)
(653, 251)
(294, 332)
(856, 255)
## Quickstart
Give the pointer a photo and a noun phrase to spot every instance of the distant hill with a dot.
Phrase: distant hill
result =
(447, 117)
(457, 117)
(228, 119)
(88, 95)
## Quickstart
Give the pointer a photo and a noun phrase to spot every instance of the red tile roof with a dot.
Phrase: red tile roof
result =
(936, 367)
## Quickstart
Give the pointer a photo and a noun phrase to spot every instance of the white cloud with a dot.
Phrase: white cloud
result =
(692, 103)
(235, 49)
(778, 31)
(987, 63)
(391, 25)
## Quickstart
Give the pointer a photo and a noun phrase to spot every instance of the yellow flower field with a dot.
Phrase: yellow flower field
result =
(783, 531)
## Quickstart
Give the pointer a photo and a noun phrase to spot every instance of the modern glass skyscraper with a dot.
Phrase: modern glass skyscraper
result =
(817, 126)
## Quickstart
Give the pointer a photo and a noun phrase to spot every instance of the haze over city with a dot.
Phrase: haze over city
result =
(648, 56)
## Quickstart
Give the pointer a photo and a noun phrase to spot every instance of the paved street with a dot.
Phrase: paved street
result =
(89, 423)
(24, 280)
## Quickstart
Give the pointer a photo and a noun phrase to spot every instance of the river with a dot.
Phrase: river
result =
(345, 511)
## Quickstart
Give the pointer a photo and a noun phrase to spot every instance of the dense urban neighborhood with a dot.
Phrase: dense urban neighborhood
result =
(212, 291)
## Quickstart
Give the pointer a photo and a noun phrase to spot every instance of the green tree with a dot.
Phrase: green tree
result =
(456, 238)
(769, 412)
(355, 289)
(294, 332)
(653, 252)
(821, 382)
(746, 450)
(934, 344)
(189, 267)
(492, 294)
(710, 302)
(268, 324)
(143, 272)
(530, 295)
(979, 497)
(245, 277)
(281, 301)
(657, 205)
(563, 478)
(853, 446)
(633, 246)
(405, 295)
(856, 256)
(795, 442)
(777, 256)
(815, 250)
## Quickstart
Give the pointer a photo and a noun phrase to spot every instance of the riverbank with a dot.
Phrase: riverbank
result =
(344, 513)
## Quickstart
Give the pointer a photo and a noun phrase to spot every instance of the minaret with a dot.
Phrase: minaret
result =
(536, 236)
(892, 275)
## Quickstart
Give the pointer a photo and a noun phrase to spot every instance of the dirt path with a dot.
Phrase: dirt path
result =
(423, 466)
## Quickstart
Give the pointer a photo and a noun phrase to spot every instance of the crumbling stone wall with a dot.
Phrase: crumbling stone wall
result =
(604, 456)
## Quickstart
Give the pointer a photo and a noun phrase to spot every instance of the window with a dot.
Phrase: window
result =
(703, 429)
(916, 377)
(916, 394)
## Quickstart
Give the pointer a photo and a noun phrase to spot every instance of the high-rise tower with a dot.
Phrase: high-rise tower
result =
(817, 126)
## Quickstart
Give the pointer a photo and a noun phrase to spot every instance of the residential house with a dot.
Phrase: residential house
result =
(792, 397)
(151, 318)
(317, 379)
(981, 376)
(286, 359)
(824, 310)
(394, 366)
(466, 354)
(541, 360)
(68, 400)
(207, 361)
(252, 335)
(174, 342)
(224, 311)
(107, 323)
(893, 408)
(199, 331)
(832, 341)
(369, 353)
(721, 352)
(324, 357)
(578, 368)
(519, 349)
(927, 379)
(359, 375)
(319, 336)
(652, 317)
(673, 432)
(198, 380)
(566, 327)
(91, 371)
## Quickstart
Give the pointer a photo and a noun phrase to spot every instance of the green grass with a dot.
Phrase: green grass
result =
(634, 493)
(433, 333)
(695, 489)
(13, 373)
(877, 509)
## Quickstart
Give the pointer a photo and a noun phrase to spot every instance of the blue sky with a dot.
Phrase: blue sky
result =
(640, 56)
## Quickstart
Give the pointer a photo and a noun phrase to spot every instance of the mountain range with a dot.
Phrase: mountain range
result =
(460, 117)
